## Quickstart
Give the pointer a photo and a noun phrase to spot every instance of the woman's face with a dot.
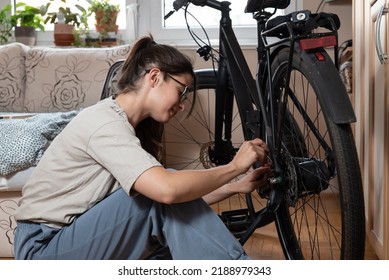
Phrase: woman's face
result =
(168, 95)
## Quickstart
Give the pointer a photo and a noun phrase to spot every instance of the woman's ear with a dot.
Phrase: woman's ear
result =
(154, 75)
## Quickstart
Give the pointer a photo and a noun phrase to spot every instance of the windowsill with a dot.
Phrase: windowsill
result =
(191, 45)
(46, 39)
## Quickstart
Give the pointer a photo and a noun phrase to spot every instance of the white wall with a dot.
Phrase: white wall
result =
(343, 8)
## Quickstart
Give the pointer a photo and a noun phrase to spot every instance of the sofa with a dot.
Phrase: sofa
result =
(41, 89)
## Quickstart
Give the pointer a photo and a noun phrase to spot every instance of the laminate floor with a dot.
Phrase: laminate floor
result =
(264, 243)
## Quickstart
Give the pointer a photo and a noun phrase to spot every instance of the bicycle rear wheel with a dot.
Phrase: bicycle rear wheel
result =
(322, 213)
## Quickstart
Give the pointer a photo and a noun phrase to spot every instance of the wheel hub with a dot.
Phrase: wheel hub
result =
(312, 174)
(304, 176)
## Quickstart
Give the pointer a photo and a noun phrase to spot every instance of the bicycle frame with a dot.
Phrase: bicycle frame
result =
(242, 81)
(247, 90)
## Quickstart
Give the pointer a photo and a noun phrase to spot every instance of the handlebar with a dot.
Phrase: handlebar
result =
(178, 4)
(252, 5)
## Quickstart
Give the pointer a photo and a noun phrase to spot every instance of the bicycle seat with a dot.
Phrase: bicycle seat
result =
(257, 5)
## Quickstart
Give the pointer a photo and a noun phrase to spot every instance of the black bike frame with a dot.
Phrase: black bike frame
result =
(243, 83)
(258, 120)
(233, 68)
(236, 70)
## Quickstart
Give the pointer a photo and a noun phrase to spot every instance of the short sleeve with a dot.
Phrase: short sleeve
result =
(116, 147)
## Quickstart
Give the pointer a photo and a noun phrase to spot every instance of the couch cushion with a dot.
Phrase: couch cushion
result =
(67, 79)
(25, 140)
(12, 77)
(16, 180)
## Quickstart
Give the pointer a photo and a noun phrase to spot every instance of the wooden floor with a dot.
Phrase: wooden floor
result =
(264, 243)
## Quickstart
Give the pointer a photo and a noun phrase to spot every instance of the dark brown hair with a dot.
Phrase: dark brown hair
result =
(146, 54)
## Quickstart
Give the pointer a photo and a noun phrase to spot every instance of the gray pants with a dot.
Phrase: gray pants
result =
(123, 227)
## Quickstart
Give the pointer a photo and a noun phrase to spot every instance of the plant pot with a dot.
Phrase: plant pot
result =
(63, 34)
(25, 35)
(108, 24)
(96, 42)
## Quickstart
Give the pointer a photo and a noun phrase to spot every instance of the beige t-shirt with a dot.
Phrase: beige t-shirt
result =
(93, 156)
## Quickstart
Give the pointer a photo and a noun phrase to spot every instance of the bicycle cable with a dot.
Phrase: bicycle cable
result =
(196, 38)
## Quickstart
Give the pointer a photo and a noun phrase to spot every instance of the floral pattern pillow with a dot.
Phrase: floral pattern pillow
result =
(12, 77)
(67, 79)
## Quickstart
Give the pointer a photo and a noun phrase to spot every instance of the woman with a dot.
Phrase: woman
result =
(100, 192)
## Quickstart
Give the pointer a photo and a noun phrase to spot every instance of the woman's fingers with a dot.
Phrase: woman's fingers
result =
(250, 152)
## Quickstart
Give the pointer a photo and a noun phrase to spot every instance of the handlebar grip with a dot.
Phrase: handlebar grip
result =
(178, 4)
(198, 2)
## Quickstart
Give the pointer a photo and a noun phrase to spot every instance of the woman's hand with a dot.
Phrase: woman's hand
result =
(253, 180)
(249, 153)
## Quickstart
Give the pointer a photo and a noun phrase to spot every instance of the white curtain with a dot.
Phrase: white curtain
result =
(131, 33)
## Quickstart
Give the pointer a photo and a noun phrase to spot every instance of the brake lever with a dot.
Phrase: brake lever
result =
(168, 15)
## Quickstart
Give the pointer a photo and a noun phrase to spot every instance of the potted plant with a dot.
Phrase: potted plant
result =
(105, 15)
(65, 23)
(5, 24)
(26, 20)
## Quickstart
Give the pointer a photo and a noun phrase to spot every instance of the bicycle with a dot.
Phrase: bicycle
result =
(312, 149)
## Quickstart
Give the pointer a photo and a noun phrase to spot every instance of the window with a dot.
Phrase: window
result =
(173, 31)
(71, 3)
(208, 17)
(46, 38)
(150, 19)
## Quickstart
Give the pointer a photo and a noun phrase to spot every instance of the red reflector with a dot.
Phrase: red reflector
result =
(320, 56)
(313, 43)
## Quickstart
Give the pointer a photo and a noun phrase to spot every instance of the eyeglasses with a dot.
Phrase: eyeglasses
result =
(184, 94)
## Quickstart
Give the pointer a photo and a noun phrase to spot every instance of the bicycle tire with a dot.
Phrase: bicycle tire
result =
(305, 225)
